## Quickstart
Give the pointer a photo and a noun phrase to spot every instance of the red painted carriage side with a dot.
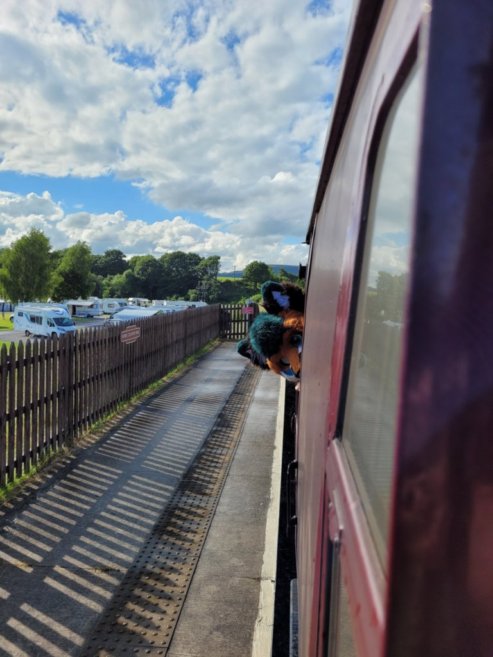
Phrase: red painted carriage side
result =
(441, 585)
(334, 236)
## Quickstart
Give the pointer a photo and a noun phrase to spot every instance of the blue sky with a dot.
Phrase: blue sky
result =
(158, 126)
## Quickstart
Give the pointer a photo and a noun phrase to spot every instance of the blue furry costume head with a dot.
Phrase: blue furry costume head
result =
(280, 342)
(266, 334)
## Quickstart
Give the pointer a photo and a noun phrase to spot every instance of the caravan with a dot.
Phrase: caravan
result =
(91, 307)
(112, 306)
(42, 320)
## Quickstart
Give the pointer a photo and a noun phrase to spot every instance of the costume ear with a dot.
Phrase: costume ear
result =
(274, 300)
(296, 297)
(282, 298)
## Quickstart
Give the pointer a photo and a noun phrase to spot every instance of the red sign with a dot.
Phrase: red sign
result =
(247, 310)
(130, 334)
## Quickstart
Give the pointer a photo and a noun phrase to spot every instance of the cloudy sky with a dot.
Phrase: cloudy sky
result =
(163, 125)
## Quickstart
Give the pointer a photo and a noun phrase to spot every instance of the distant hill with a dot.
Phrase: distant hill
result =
(290, 269)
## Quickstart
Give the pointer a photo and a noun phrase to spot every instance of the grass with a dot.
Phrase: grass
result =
(5, 323)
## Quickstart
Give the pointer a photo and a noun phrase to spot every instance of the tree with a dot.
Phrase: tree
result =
(256, 273)
(179, 272)
(232, 291)
(121, 286)
(72, 279)
(25, 273)
(208, 285)
(390, 295)
(112, 262)
(148, 272)
(284, 275)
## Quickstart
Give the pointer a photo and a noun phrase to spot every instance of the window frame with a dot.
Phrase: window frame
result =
(360, 566)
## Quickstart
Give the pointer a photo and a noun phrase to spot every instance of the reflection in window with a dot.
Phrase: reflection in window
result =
(341, 634)
(371, 409)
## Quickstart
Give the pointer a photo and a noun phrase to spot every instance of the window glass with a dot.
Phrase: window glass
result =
(372, 400)
(341, 634)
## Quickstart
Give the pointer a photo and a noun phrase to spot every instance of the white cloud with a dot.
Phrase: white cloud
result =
(18, 214)
(238, 137)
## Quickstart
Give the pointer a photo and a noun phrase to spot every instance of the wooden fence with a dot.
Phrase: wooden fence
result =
(51, 391)
(236, 319)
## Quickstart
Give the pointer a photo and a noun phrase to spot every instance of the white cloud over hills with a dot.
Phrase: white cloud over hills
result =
(216, 108)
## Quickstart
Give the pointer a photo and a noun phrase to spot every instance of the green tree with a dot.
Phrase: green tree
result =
(72, 278)
(284, 275)
(25, 272)
(112, 262)
(148, 272)
(179, 273)
(121, 286)
(390, 294)
(256, 273)
(232, 291)
(208, 285)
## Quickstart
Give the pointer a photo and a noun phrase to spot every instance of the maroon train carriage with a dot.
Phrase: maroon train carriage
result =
(394, 445)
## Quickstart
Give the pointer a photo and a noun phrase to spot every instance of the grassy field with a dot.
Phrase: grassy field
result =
(5, 323)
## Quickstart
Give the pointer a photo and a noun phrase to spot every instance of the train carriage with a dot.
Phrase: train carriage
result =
(394, 446)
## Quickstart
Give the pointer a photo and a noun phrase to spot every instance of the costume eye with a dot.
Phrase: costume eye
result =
(295, 339)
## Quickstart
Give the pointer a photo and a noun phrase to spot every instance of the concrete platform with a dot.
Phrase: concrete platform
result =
(229, 611)
(75, 547)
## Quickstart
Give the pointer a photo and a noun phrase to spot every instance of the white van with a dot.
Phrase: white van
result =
(111, 306)
(127, 314)
(91, 307)
(138, 301)
(43, 320)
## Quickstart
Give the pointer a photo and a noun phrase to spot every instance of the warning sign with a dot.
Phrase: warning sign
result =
(130, 334)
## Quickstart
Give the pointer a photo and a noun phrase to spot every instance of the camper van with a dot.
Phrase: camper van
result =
(85, 307)
(128, 314)
(42, 320)
(112, 306)
(138, 301)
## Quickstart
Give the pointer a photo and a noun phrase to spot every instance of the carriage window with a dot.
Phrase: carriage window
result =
(371, 408)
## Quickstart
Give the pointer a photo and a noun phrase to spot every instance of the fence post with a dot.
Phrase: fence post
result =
(70, 388)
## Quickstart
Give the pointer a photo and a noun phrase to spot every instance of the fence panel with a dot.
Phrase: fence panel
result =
(11, 405)
(40, 439)
(34, 403)
(51, 391)
(236, 320)
(3, 414)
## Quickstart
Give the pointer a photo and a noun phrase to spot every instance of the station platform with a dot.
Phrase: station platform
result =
(158, 535)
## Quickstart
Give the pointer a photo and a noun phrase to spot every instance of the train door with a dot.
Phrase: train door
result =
(361, 457)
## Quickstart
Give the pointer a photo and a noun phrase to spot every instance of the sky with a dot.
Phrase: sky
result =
(162, 125)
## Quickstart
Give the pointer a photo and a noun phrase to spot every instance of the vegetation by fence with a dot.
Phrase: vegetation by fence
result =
(51, 391)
